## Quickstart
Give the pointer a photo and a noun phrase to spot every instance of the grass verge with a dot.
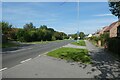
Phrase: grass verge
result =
(79, 43)
(42, 42)
(9, 44)
(74, 54)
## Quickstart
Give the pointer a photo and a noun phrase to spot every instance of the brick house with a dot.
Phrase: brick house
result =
(102, 31)
(118, 30)
(114, 29)
(96, 33)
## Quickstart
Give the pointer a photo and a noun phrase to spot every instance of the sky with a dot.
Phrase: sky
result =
(62, 16)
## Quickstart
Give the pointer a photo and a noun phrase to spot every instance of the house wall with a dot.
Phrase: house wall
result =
(113, 31)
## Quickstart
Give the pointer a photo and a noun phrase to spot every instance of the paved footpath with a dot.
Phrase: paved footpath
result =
(75, 46)
(47, 67)
(108, 65)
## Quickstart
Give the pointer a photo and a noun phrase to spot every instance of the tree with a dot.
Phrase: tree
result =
(47, 35)
(63, 35)
(115, 8)
(6, 27)
(13, 33)
(29, 26)
(30, 33)
(82, 35)
(33, 35)
(8, 31)
(43, 27)
(20, 35)
(57, 35)
(40, 34)
(75, 36)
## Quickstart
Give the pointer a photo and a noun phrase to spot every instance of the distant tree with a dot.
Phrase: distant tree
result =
(29, 26)
(47, 35)
(51, 29)
(63, 35)
(33, 35)
(20, 35)
(8, 30)
(115, 8)
(43, 27)
(30, 33)
(40, 35)
(6, 27)
(75, 36)
(82, 35)
(13, 33)
(57, 36)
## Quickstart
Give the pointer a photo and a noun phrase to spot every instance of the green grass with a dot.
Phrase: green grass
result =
(37, 42)
(9, 44)
(74, 54)
(42, 42)
(79, 43)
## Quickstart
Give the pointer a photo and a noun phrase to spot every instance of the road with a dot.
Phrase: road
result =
(15, 57)
(48, 67)
(104, 64)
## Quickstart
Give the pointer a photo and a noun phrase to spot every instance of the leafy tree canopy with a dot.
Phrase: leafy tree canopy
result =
(29, 26)
(115, 8)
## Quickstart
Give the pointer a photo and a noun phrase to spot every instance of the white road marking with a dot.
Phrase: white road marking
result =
(39, 55)
(3, 69)
(25, 60)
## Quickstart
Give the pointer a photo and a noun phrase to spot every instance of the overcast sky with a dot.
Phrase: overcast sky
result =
(58, 15)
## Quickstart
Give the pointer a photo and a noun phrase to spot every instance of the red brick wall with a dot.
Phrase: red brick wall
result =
(113, 31)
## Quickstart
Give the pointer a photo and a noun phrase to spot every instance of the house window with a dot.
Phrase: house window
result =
(118, 31)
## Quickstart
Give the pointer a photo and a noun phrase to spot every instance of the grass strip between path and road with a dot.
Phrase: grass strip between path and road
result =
(74, 54)
(9, 44)
(42, 42)
(79, 43)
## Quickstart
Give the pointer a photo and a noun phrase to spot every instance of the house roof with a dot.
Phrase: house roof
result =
(105, 28)
(111, 26)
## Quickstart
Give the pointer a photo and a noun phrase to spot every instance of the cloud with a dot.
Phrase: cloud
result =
(100, 15)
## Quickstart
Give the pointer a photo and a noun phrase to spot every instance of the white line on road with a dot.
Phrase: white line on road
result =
(3, 69)
(25, 60)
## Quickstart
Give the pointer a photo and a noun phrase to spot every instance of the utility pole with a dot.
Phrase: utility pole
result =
(78, 15)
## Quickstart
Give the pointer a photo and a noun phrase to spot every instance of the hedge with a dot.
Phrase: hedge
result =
(114, 45)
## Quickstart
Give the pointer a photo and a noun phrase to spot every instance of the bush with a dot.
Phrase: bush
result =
(104, 37)
(4, 39)
(114, 45)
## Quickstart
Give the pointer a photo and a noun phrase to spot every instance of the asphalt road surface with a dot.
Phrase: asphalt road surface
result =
(11, 58)
(104, 64)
